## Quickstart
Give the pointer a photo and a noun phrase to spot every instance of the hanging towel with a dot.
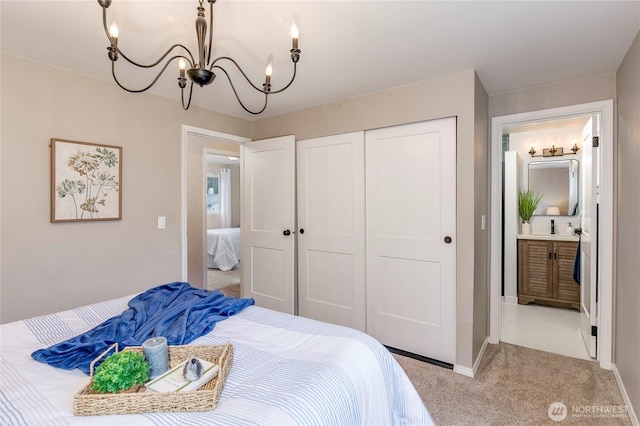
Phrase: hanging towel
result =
(576, 263)
(177, 311)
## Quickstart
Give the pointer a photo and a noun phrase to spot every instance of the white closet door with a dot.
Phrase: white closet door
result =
(268, 223)
(411, 237)
(331, 254)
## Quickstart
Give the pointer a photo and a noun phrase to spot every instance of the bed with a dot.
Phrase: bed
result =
(286, 370)
(223, 248)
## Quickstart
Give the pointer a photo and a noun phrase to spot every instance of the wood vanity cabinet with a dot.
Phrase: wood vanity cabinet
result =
(545, 273)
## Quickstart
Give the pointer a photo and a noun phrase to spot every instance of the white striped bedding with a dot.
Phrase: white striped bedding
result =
(286, 370)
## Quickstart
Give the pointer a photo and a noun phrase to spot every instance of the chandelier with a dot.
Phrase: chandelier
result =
(200, 72)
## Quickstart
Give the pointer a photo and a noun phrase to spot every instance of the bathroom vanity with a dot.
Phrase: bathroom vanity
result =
(545, 270)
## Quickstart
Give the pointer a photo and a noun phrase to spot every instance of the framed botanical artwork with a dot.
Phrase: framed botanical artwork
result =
(86, 181)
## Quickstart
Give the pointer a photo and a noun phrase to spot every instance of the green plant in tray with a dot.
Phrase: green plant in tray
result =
(121, 371)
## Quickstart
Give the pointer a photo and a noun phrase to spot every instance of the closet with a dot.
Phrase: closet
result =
(373, 228)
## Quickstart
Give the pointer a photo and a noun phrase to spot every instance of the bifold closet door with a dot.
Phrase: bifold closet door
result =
(268, 223)
(411, 237)
(331, 245)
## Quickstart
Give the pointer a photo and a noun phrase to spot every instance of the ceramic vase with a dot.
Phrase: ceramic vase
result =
(526, 227)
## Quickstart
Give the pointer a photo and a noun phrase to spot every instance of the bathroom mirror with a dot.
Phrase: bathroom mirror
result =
(557, 180)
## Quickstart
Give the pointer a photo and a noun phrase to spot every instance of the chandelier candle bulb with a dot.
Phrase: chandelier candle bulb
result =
(267, 81)
(182, 80)
(114, 32)
(294, 35)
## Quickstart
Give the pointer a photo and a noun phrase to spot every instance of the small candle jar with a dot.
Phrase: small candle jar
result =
(157, 355)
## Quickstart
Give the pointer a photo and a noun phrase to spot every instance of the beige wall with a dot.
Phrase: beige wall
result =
(455, 95)
(481, 205)
(627, 269)
(48, 267)
(564, 93)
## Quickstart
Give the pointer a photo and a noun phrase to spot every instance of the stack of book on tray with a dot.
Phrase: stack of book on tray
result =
(174, 381)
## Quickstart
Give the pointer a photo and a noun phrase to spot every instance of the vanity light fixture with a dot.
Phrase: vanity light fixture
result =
(201, 71)
(554, 152)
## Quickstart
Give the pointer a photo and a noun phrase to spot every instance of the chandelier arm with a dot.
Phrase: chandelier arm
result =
(213, 65)
(113, 73)
(190, 59)
(114, 45)
(266, 94)
(189, 100)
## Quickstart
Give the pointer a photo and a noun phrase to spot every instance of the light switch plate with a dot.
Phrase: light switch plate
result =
(483, 222)
(162, 222)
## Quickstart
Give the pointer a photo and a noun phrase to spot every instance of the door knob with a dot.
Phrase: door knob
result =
(302, 230)
(286, 233)
(447, 239)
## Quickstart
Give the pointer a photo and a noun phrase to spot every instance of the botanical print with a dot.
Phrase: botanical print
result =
(85, 181)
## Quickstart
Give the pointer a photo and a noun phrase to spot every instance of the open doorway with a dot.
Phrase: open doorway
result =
(603, 312)
(222, 212)
(541, 296)
(197, 144)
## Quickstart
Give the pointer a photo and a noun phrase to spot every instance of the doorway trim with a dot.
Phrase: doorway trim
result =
(605, 243)
(205, 133)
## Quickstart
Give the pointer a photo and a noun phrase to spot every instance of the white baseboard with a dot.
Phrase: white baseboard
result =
(471, 372)
(625, 397)
(465, 371)
(511, 300)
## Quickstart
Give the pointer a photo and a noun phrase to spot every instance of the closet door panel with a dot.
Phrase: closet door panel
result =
(411, 241)
(331, 256)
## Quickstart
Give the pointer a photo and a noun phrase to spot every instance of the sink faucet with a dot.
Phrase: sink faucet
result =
(553, 226)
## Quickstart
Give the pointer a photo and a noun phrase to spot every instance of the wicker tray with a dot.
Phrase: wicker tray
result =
(88, 402)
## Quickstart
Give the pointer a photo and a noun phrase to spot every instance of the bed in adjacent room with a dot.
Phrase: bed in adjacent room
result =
(286, 370)
(223, 248)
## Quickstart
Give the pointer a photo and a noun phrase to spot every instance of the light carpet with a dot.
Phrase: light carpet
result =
(515, 385)
(221, 279)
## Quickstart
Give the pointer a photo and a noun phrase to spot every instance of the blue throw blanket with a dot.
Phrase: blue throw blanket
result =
(177, 311)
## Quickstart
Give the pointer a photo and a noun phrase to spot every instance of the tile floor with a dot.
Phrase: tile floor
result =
(549, 329)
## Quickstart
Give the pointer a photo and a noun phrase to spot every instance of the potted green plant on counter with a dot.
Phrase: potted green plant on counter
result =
(528, 202)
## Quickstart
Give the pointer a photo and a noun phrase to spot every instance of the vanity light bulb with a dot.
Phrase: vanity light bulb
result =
(182, 64)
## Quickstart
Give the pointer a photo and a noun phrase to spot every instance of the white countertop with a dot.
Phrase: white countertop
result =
(548, 237)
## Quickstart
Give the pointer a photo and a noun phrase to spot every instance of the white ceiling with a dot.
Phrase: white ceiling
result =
(348, 47)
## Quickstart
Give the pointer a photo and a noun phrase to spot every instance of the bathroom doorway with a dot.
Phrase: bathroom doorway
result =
(552, 322)
(537, 120)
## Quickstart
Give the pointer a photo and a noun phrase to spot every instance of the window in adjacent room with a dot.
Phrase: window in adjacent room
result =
(213, 192)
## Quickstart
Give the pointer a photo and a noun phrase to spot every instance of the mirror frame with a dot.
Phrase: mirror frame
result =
(573, 198)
